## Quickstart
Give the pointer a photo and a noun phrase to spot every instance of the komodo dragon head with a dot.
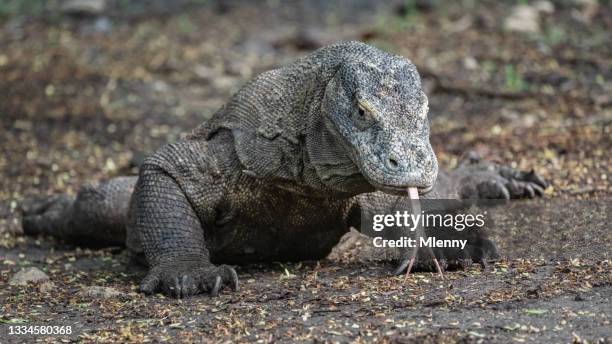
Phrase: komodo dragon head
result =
(348, 117)
(377, 109)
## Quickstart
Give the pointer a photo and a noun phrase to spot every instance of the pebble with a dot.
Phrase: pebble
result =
(46, 287)
(523, 18)
(29, 275)
(98, 292)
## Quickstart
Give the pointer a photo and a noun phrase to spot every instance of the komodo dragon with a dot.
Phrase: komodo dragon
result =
(279, 173)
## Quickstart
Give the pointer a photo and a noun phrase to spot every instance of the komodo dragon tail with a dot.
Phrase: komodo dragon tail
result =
(97, 216)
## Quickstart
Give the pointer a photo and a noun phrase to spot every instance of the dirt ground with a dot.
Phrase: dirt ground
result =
(84, 98)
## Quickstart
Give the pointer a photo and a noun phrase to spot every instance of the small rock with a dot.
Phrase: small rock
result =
(29, 275)
(224, 83)
(102, 25)
(205, 72)
(470, 63)
(101, 292)
(84, 7)
(544, 6)
(523, 18)
(46, 287)
(160, 86)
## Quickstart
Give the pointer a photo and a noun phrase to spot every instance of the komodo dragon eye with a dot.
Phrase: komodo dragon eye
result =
(363, 118)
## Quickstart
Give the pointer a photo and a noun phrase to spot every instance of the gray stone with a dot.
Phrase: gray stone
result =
(32, 274)
(46, 287)
(98, 292)
(523, 18)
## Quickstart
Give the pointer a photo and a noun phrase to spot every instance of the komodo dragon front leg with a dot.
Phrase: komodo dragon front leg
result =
(477, 178)
(172, 184)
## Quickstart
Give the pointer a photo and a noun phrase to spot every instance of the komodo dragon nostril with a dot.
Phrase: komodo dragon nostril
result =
(392, 163)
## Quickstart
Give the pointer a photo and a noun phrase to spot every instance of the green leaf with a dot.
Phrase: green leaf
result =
(536, 311)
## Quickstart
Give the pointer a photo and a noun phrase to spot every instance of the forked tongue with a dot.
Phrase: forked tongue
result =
(413, 194)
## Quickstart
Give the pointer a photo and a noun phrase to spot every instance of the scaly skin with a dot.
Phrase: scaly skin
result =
(279, 174)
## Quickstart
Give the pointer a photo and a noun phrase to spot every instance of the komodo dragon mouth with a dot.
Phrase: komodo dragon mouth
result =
(400, 190)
